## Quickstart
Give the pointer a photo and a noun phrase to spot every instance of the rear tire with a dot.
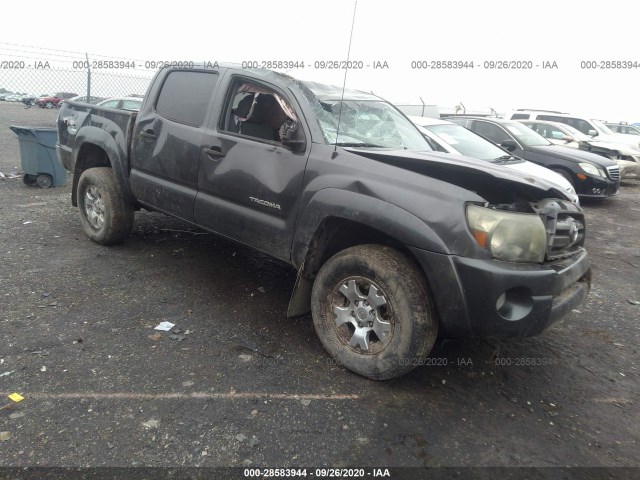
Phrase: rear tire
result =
(372, 311)
(105, 216)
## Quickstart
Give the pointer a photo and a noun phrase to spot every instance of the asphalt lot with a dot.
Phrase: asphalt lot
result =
(241, 385)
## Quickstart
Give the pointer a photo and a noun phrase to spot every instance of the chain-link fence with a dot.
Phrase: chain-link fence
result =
(44, 77)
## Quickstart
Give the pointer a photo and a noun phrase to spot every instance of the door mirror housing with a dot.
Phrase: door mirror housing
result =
(592, 133)
(509, 144)
(292, 136)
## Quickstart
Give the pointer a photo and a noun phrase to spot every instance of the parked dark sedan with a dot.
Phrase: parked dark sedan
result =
(591, 175)
(29, 100)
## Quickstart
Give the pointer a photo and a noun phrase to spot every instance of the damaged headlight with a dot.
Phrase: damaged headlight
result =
(509, 236)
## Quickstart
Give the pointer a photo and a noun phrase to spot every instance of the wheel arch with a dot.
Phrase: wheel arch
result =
(94, 147)
(367, 220)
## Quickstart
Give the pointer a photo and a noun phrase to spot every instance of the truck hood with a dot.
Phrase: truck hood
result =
(493, 182)
(571, 154)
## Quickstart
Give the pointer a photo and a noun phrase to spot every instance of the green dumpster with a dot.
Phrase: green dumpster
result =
(38, 156)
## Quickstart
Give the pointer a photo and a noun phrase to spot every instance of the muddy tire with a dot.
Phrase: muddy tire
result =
(105, 217)
(372, 311)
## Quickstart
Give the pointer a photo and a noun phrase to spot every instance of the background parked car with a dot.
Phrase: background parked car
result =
(123, 103)
(53, 100)
(450, 137)
(31, 99)
(85, 99)
(627, 158)
(588, 126)
(624, 128)
(591, 175)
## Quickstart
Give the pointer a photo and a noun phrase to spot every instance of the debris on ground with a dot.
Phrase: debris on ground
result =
(261, 289)
(155, 336)
(164, 326)
(179, 338)
(305, 402)
(4, 436)
(633, 302)
(240, 437)
(16, 397)
(254, 442)
(152, 423)
(6, 374)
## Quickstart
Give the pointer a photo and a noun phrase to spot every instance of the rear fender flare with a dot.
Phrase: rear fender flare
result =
(112, 147)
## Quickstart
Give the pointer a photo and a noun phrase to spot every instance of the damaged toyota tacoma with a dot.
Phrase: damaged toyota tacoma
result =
(394, 244)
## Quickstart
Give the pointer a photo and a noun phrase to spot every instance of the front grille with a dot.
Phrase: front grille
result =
(614, 172)
(569, 232)
(565, 226)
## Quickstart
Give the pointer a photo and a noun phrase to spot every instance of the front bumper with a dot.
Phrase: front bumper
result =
(629, 169)
(597, 187)
(479, 298)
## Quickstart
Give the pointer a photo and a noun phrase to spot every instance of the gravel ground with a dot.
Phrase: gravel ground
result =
(241, 385)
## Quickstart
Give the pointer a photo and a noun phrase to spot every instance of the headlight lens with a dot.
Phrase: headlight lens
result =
(509, 236)
(591, 169)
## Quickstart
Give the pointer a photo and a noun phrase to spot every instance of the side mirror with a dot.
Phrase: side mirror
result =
(592, 133)
(509, 144)
(567, 138)
(293, 136)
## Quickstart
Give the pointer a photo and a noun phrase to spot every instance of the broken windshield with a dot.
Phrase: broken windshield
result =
(369, 122)
(365, 121)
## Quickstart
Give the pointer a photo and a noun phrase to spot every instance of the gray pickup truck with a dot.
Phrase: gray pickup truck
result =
(394, 244)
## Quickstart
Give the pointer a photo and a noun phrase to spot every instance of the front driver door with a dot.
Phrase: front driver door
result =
(249, 183)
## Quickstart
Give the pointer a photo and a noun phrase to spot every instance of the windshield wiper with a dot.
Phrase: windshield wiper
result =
(358, 144)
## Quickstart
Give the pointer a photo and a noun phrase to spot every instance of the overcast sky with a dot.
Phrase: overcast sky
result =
(393, 31)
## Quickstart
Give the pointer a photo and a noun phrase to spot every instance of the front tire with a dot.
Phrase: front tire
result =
(372, 311)
(105, 216)
(566, 175)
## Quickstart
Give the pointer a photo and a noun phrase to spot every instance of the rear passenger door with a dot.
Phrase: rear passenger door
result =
(166, 140)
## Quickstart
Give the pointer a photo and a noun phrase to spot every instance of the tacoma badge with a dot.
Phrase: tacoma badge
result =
(265, 203)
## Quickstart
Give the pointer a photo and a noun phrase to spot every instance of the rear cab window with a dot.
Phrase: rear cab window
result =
(184, 96)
